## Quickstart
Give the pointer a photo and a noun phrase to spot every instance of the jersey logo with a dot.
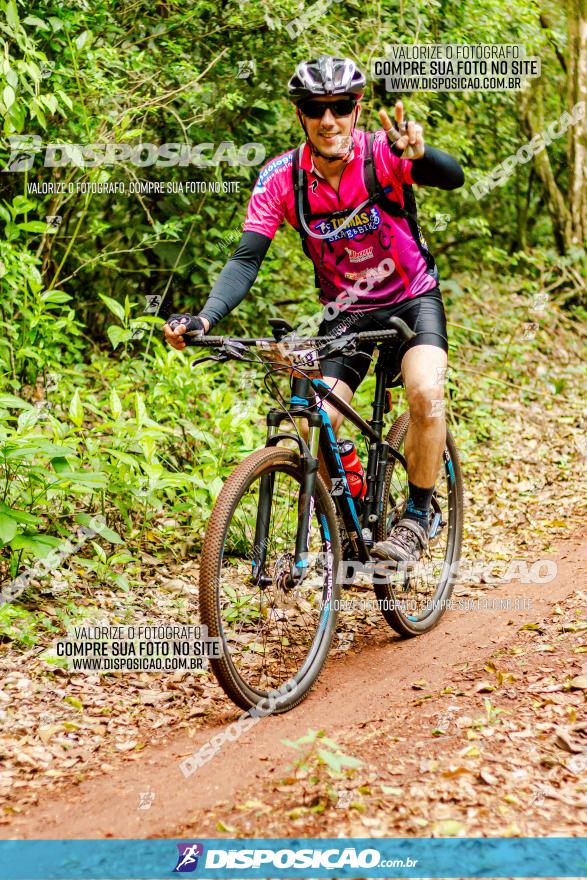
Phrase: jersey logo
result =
(364, 221)
(314, 186)
(373, 273)
(274, 167)
(359, 256)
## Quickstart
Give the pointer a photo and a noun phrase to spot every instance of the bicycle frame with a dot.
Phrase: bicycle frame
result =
(303, 404)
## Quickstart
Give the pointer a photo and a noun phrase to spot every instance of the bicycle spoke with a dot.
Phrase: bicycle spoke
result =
(270, 630)
(414, 589)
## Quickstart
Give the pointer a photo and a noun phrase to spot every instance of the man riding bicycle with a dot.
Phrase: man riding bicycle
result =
(370, 259)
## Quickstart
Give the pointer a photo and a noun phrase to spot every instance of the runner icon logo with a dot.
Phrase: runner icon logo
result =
(187, 860)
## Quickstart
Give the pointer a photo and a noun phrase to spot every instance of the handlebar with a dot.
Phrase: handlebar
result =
(396, 325)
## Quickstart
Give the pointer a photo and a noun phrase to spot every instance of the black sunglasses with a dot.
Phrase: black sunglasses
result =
(316, 109)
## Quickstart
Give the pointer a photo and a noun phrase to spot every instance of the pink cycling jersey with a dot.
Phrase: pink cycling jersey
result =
(376, 260)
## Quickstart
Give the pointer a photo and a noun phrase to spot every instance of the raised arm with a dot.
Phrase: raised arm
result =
(437, 168)
(428, 165)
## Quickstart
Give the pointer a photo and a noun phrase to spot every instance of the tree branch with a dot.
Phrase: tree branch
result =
(547, 26)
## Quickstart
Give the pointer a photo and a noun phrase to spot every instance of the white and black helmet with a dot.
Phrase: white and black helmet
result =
(326, 75)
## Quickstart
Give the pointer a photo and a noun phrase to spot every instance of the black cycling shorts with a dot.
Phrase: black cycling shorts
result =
(424, 315)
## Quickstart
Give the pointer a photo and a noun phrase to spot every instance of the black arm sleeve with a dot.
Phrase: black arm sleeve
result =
(436, 168)
(237, 277)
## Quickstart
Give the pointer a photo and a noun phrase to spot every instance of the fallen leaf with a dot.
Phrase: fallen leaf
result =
(150, 697)
(563, 740)
(125, 746)
(448, 828)
(49, 731)
(579, 683)
(454, 772)
(75, 702)
(488, 777)
(544, 689)
(254, 805)
(391, 789)
(470, 752)
(484, 687)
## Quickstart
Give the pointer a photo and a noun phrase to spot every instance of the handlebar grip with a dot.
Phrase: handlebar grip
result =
(375, 335)
(397, 328)
(203, 340)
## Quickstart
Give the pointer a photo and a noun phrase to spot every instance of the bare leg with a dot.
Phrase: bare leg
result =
(424, 370)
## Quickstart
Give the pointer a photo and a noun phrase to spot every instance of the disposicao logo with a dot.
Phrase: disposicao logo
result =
(187, 860)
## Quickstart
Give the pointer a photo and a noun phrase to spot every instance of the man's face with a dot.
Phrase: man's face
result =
(331, 133)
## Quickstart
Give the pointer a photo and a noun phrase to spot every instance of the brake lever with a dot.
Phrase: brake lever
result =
(210, 357)
(229, 349)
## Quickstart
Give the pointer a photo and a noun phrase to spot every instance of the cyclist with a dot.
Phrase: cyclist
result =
(375, 266)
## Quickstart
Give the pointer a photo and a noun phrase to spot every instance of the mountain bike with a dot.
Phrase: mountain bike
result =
(280, 541)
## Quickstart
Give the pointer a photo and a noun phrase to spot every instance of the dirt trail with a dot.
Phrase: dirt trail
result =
(362, 688)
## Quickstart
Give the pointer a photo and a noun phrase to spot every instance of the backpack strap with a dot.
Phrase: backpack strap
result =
(300, 185)
(372, 185)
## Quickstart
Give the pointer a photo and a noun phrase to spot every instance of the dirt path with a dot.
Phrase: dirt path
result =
(369, 686)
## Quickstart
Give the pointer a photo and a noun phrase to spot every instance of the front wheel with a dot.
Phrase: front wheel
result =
(275, 638)
(413, 600)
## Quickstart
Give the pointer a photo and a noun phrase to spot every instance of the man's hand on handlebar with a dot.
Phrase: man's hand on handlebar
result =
(177, 325)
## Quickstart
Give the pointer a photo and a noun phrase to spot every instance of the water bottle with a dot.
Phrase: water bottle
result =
(355, 473)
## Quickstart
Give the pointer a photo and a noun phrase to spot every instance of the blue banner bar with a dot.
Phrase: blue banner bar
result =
(258, 858)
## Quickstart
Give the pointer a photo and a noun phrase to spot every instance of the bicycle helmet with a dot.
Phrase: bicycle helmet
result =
(325, 76)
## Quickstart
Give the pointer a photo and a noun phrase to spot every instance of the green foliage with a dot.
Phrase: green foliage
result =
(321, 755)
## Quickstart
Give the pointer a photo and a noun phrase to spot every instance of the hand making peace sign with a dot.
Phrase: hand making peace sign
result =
(406, 136)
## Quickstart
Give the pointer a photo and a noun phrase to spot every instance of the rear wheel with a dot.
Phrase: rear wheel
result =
(413, 599)
(274, 638)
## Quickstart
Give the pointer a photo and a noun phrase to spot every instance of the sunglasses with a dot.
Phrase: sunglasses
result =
(317, 109)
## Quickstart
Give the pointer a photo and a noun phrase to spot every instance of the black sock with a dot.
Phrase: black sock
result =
(419, 504)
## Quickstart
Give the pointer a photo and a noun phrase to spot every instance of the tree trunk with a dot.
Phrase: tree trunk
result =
(532, 111)
(568, 210)
(577, 144)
